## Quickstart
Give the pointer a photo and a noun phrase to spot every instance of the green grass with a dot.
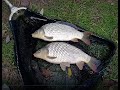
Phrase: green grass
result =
(7, 52)
(100, 17)
(97, 16)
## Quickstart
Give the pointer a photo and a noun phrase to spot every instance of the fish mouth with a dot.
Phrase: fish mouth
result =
(33, 35)
(39, 36)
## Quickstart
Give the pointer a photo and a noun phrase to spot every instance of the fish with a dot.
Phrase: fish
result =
(61, 32)
(65, 54)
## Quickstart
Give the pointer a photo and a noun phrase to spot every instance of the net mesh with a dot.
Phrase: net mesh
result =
(40, 72)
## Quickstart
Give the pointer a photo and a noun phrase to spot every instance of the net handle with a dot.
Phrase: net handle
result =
(8, 3)
(13, 9)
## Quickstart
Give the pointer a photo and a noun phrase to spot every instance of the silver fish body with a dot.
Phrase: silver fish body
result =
(60, 32)
(63, 53)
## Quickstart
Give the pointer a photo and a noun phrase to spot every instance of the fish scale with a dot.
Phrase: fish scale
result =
(66, 53)
(61, 31)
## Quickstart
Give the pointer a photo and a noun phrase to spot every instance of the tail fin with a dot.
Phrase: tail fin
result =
(85, 38)
(94, 63)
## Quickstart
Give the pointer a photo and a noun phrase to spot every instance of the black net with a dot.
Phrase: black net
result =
(33, 70)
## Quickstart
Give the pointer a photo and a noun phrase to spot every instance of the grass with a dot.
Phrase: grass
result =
(7, 52)
(97, 16)
(100, 17)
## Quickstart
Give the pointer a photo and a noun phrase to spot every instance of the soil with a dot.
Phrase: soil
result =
(10, 74)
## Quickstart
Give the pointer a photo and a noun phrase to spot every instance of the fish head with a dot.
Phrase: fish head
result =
(38, 34)
(42, 53)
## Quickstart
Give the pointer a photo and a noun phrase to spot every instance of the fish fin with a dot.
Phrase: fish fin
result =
(48, 37)
(80, 65)
(63, 65)
(47, 53)
(51, 57)
(94, 63)
(85, 38)
(75, 40)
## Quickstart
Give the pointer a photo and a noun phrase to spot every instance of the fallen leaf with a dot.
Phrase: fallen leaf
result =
(5, 87)
(42, 11)
(4, 32)
(46, 72)
(7, 39)
(109, 82)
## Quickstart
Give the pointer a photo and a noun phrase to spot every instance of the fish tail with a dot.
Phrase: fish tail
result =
(94, 63)
(85, 38)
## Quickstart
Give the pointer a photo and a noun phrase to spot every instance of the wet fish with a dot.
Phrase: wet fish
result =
(66, 54)
(61, 32)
